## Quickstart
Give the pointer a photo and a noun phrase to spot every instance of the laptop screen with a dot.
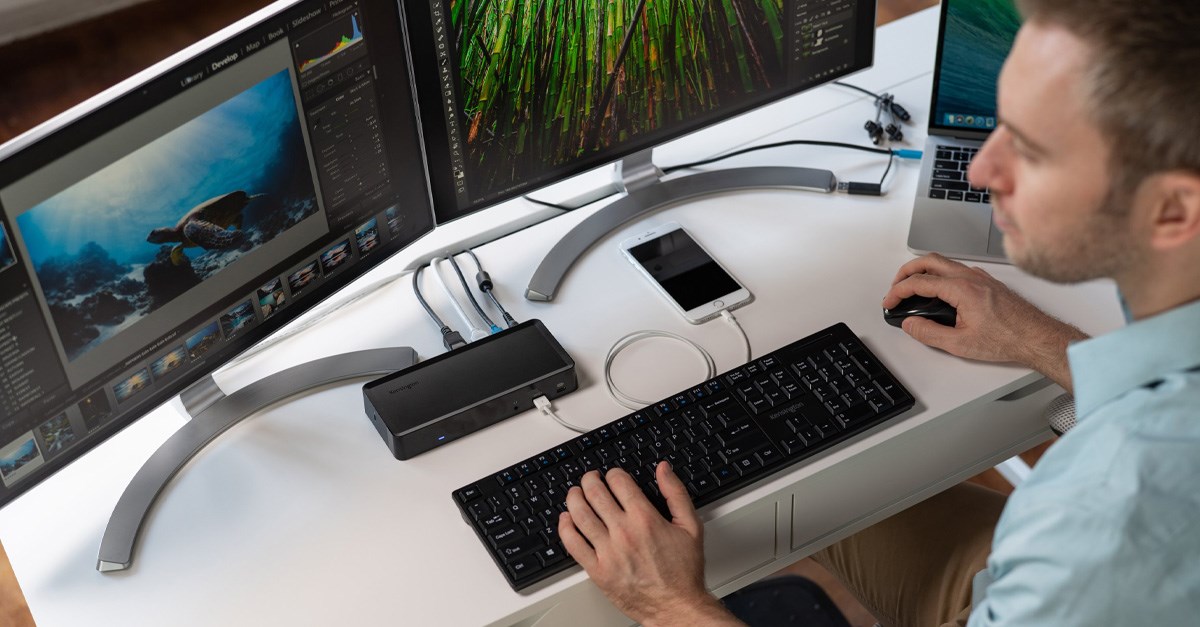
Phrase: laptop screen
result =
(976, 36)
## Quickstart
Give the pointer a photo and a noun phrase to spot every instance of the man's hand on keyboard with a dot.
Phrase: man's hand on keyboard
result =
(650, 568)
(994, 323)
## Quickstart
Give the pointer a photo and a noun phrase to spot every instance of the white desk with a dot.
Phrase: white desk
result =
(300, 516)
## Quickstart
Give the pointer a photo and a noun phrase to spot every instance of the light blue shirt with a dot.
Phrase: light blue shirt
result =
(1106, 530)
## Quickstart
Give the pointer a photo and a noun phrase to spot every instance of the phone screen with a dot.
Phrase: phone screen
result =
(684, 270)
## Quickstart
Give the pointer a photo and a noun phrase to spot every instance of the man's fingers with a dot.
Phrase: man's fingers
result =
(931, 263)
(626, 490)
(574, 542)
(585, 518)
(930, 333)
(949, 290)
(679, 502)
(600, 498)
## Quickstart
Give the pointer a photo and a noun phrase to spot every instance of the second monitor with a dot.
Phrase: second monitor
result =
(516, 99)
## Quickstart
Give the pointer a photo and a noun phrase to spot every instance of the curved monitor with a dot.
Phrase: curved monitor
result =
(149, 235)
(517, 95)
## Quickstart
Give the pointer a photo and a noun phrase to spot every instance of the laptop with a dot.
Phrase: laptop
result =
(950, 217)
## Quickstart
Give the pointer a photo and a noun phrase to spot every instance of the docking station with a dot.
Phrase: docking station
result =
(456, 393)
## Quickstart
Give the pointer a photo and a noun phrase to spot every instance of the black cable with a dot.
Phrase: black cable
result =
(896, 109)
(891, 158)
(793, 142)
(463, 280)
(421, 299)
(485, 286)
(857, 88)
(549, 204)
(451, 339)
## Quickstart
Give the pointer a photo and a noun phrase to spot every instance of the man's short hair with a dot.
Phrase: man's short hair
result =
(1144, 84)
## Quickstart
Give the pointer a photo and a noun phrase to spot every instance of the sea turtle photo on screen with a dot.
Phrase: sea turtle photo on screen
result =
(207, 225)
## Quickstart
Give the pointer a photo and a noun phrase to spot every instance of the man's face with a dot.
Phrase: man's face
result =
(1047, 165)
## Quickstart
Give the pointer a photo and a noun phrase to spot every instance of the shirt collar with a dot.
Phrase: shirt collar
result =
(1111, 365)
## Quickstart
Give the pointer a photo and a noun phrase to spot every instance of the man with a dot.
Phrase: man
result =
(1094, 172)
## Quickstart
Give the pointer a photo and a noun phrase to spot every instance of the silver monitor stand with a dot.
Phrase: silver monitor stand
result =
(212, 413)
(646, 191)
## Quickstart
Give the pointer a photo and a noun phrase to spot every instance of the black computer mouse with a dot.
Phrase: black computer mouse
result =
(935, 309)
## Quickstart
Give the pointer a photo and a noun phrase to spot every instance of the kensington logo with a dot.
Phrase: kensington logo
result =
(405, 388)
(789, 410)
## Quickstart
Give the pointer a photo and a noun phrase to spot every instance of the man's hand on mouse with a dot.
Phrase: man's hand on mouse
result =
(650, 568)
(994, 323)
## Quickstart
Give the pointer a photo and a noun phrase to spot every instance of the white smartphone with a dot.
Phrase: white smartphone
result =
(684, 272)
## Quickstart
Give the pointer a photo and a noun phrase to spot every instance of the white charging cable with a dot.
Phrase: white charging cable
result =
(630, 402)
(477, 332)
(544, 405)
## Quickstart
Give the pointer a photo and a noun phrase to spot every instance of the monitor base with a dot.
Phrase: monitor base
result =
(212, 414)
(647, 193)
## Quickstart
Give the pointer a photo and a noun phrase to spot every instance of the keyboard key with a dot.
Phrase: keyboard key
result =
(505, 535)
(551, 555)
(702, 485)
(468, 494)
(515, 493)
(735, 431)
(724, 475)
(954, 195)
(759, 405)
(768, 456)
(852, 416)
(716, 405)
(524, 567)
(974, 197)
(747, 391)
(949, 185)
(746, 465)
(826, 425)
(809, 434)
(480, 510)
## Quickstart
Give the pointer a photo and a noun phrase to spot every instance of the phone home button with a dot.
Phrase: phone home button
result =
(718, 303)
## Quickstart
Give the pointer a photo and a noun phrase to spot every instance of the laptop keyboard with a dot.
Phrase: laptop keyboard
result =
(720, 436)
(949, 181)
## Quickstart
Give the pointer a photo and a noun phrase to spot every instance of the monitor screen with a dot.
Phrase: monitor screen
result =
(976, 38)
(149, 238)
(517, 95)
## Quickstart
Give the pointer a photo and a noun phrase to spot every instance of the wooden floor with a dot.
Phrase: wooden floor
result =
(50, 73)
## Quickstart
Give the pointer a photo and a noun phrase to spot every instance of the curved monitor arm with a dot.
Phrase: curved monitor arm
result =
(214, 413)
(647, 193)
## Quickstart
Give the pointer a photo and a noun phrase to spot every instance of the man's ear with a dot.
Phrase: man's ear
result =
(1176, 209)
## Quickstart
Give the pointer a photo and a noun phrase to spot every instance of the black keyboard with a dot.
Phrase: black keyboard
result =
(949, 180)
(720, 436)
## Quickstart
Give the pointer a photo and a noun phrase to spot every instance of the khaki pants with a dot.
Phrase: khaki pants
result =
(915, 568)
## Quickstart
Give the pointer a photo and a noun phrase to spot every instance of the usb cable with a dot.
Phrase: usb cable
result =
(451, 339)
(630, 402)
(476, 332)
